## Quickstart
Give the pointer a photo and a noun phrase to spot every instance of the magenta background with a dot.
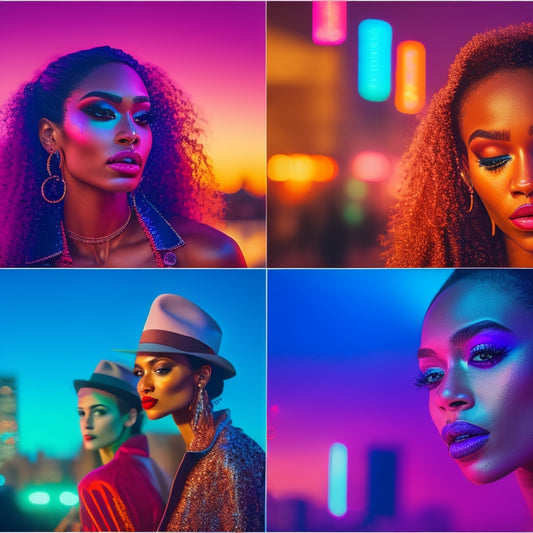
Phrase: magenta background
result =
(214, 50)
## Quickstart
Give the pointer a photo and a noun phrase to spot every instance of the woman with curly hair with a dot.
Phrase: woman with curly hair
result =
(101, 165)
(467, 178)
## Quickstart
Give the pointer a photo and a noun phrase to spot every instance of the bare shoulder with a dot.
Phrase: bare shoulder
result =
(206, 247)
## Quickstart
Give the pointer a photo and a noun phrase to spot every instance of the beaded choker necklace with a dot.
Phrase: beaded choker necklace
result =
(98, 240)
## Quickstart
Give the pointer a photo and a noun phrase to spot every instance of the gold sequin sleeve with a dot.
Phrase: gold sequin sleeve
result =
(222, 489)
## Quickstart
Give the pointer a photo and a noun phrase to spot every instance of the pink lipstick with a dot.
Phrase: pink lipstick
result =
(464, 439)
(522, 217)
(148, 402)
(125, 163)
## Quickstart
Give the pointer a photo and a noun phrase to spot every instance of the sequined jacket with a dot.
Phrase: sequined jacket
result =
(123, 495)
(221, 488)
(49, 245)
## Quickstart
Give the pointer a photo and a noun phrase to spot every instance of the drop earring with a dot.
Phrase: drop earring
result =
(471, 190)
(202, 423)
(53, 188)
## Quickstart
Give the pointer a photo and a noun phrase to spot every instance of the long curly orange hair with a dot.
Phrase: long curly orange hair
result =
(430, 225)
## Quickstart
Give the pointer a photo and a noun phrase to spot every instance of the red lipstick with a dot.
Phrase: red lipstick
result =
(522, 217)
(148, 402)
(88, 437)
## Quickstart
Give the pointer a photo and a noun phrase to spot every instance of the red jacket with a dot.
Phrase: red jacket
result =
(123, 494)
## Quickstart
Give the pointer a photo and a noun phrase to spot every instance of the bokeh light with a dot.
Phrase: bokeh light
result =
(410, 94)
(39, 497)
(329, 22)
(338, 479)
(374, 60)
(68, 498)
(371, 166)
(302, 168)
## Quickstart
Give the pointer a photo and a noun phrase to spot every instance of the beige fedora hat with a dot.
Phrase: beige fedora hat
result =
(176, 325)
(112, 377)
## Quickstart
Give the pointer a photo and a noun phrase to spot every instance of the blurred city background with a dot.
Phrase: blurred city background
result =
(351, 445)
(330, 192)
(57, 325)
(214, 51)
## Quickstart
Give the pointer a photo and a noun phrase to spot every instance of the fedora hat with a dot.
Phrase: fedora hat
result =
(176, 325)
(114, 378)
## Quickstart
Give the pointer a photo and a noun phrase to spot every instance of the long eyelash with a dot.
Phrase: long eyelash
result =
(494, 163)
(423, 379)
(99, 111)
(420, 380)
(143, 117)
(496, 354)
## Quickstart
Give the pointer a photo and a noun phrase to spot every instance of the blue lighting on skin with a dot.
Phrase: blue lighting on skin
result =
(338, 479)
(374, 60)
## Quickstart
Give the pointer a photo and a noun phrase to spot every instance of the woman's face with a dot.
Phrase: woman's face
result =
(105, 137)
(476, 359)
(496, 125)
(166, 384)
(101, 423)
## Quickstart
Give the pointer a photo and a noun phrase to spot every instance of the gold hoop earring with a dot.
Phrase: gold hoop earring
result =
(50, 186)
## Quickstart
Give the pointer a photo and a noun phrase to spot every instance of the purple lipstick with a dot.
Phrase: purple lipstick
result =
(464, 439)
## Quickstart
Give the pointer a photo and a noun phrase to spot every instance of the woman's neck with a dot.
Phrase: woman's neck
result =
(94, 213)
(525, 481)
(516, 256)
(183, 420)
(107, 453)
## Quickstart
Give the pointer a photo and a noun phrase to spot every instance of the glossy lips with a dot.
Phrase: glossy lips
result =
(148, 402)
(88, 437)
(126, 163)
(522, 217)
(464, 439)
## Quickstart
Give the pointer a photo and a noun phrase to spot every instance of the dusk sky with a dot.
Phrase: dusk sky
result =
(214, 50)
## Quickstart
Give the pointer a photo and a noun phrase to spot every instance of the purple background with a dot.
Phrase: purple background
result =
(342, 365)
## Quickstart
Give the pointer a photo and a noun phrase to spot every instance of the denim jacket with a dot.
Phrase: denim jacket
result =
(49, 247)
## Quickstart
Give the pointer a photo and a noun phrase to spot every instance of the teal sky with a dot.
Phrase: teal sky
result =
(57, 324)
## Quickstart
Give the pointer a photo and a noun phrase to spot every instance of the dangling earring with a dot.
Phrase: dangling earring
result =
(48, 186)
(202, 420)
(470, 190)
(200, 406)
(471, 200)
(493, 226)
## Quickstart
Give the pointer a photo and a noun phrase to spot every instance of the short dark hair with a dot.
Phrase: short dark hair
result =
(215, 387)
(518, 279)
(124, 406)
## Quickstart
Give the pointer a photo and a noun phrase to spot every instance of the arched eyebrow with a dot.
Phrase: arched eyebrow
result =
(113, 97)
(426, 352)
(495, 135)
(464, 334)
(93, 406)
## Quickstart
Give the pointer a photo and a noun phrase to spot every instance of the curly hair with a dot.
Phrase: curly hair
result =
(430, 225)
(178, 177)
